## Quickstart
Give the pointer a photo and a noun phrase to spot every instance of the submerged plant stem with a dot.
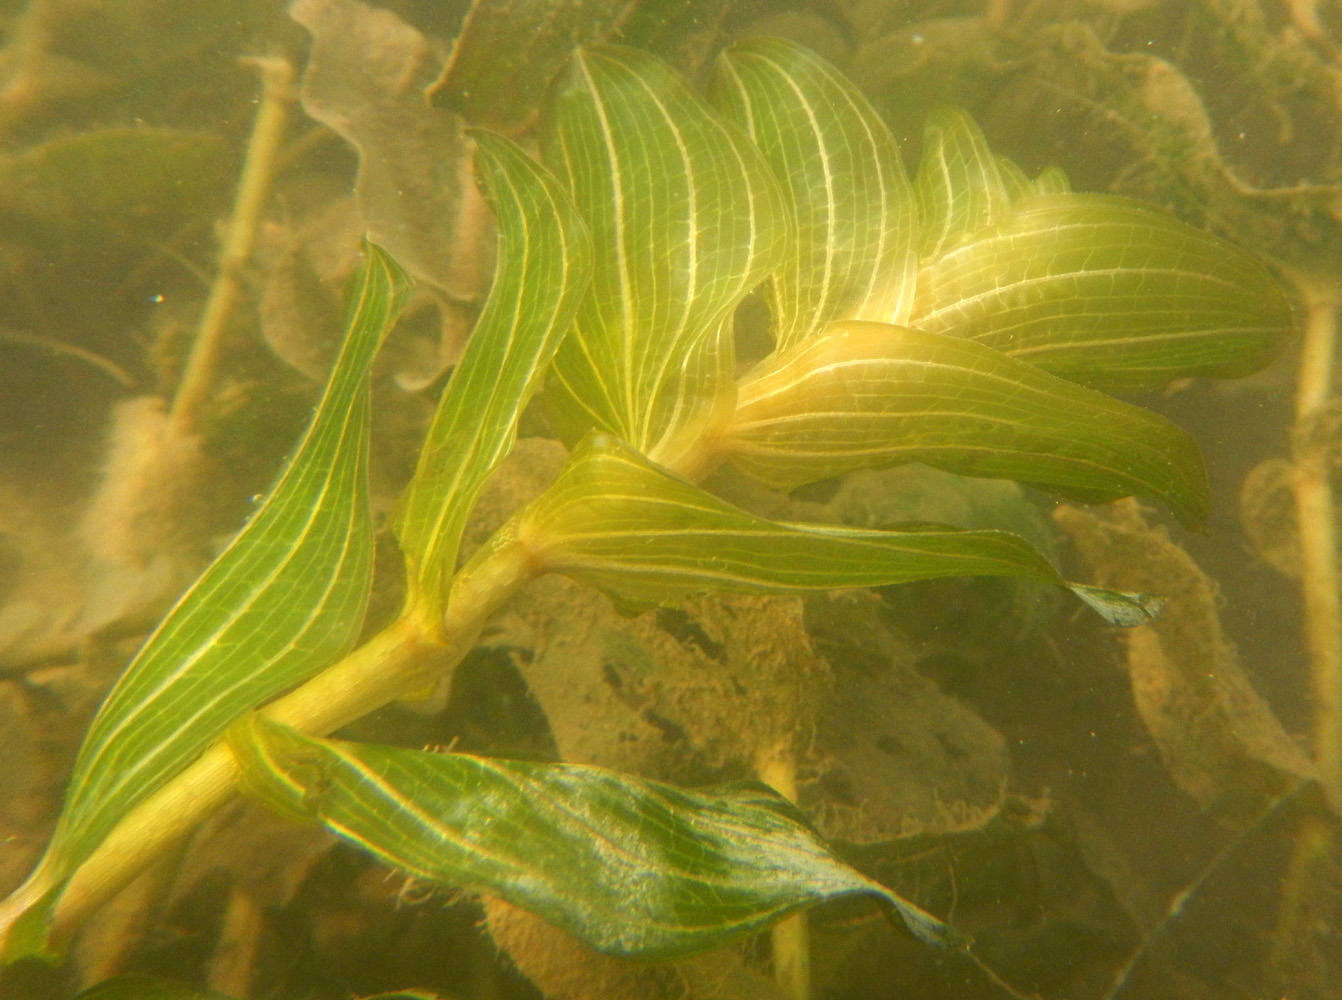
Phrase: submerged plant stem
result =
(1317, 529)
(1316, 518)
(791, 936)
(391, 665)
(277, 94)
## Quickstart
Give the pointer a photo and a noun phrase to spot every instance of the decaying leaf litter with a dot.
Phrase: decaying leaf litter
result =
(1161, 141)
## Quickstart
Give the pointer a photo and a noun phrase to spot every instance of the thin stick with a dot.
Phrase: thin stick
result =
(791, 936)
(277, 94)
(1316, 521)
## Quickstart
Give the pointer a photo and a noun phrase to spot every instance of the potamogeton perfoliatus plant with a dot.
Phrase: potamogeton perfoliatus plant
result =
(969, 319)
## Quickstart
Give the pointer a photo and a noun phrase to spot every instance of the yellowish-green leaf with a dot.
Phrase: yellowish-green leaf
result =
(857, 221)
(1052, 180)
(960, 184)
(630, 867)
(544, 264)
(864, 395)
(284, 600)
(645, 536)
(685, 218)
(1014, 180)
(1106, 291)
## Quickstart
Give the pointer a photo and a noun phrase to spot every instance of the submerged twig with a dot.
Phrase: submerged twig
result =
(1317, 522)
(59, 347)
(277, 77)
(777, 767)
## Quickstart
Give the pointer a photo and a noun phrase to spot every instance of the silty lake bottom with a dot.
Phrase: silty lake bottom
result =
(1097, 811)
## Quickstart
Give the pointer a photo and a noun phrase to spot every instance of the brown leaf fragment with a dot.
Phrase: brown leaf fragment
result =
(894, 756)
(1217, 736)
(508, 50)
(366, 80)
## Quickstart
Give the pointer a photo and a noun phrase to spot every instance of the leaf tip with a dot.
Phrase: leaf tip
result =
(1126, 610)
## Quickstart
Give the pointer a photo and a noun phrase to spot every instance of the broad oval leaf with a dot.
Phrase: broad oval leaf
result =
(857, 221)
(645, 536)
(685, 218)
(1108, 292)
(867, 395)
(629, 867)
(543, 267)
(284, 600)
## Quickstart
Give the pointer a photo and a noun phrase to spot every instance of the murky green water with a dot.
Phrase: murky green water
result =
(1106, 814)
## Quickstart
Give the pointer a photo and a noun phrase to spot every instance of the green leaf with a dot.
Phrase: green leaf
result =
(960, 184)
(284, 600)
(685, 219)
(544, 265)
(629, 867)
(854, 256)
(645, 536)
(864, 395)
(1106, 291)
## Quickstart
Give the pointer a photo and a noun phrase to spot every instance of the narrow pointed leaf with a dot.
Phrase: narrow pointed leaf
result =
(857, 221)
(645, 536)
(1106, 291)
(544, 264)
(685, 218)
(283, 601)
(629, 867)
(959, 185)
(864, 395)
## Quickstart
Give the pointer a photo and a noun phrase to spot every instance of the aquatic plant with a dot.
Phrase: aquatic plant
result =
(970, 319)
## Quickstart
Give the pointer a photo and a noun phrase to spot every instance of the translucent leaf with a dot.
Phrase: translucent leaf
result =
(629, 867)
(1052, 180)
(644, 536)
(283, 601)
(685, 219)
(960, 185)
(864, 395)
(1108, 292)
(1014, 181)
(544, 264)
(854, 257)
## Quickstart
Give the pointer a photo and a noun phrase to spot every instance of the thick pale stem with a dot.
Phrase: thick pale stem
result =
(277, 78)
(1317, 524)
(389, 666)
(777, 767)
